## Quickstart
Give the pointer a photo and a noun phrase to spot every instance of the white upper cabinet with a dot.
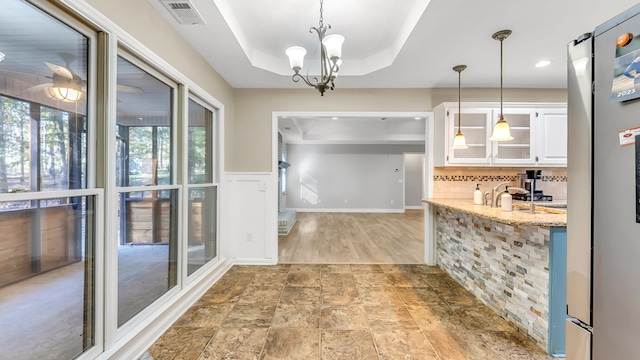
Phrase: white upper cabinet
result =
(539, 134)
(552, 141)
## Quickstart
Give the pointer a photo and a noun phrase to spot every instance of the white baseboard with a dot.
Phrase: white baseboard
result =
(247, 261)
(413, 207)
(318, 210)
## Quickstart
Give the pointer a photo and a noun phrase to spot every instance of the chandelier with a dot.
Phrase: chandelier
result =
(330, 53)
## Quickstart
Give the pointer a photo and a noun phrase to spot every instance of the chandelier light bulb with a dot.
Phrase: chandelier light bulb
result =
(296, 57)
(333, 45)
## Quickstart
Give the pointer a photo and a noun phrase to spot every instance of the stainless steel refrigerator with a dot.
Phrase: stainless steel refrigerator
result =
(603, 215)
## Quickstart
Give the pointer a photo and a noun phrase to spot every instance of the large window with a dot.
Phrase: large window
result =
(47, 208)
(107, 202)
(147, 196)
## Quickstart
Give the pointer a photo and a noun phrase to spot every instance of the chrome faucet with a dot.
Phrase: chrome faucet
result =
(532, 206)
(495, 193)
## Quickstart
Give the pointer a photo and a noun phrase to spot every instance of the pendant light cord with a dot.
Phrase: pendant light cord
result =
(459, 97)
(501, 115)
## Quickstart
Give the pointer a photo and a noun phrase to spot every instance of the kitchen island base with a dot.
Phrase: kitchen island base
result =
(516, 269)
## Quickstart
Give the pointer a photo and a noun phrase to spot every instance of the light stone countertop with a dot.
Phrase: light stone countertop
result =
(549, 217)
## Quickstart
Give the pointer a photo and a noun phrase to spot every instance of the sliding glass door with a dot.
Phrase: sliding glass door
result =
(49, 212)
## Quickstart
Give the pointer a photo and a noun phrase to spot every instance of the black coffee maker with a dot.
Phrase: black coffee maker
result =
(528, 182)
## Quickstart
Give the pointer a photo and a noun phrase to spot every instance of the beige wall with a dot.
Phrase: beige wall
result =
(510, 95)
(144, 23)
(252, 141)
(253, 109)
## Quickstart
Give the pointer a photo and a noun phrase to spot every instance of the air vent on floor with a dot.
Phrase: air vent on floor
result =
(184, 12)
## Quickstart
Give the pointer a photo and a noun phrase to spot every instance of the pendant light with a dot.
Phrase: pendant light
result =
(501, 131)
(459, 141)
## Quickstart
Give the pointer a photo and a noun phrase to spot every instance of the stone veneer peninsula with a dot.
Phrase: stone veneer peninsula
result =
(514, 262)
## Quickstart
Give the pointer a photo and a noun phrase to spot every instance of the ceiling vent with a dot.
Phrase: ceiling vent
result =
(184, 12)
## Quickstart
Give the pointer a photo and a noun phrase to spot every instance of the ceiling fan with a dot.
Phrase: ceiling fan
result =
(65, 85)
(69, 87)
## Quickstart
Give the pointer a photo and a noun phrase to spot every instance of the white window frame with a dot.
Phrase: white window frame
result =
(113, 332)
(185, 180)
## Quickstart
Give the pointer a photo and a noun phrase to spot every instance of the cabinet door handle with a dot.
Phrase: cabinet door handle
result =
(536, 159)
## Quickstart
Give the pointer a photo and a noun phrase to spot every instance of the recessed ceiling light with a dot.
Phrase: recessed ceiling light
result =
(543, 63)
(2, 56)
(417, 118)
(334, 118)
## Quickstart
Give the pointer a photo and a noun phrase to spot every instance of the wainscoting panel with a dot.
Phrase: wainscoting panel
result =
(252, 203)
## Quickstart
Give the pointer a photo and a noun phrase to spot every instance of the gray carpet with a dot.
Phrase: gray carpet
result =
(42, 317)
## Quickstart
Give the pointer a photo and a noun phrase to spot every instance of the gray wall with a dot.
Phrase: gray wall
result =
(324, 176)
(413, 179)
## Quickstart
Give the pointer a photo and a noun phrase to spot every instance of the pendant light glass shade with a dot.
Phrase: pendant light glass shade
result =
(501, 131)
(459, 142)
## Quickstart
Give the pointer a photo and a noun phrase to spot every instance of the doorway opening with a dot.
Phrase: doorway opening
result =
(342, 187)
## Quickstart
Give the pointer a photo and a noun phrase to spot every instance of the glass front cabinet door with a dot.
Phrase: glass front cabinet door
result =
(520, 150)
(473, 125)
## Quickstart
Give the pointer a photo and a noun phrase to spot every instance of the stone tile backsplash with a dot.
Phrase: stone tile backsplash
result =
(505, 266)
(460, 182)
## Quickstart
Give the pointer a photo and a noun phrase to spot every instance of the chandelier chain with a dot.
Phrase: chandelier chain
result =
(321, 22)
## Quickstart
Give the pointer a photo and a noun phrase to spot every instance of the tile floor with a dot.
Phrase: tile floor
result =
(341, 312)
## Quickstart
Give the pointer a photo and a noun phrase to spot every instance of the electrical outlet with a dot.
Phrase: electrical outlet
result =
(393, 202)
(249, 237)
(345, 201)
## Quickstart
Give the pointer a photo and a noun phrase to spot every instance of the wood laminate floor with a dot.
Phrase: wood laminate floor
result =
(340, 312)
(355, 238)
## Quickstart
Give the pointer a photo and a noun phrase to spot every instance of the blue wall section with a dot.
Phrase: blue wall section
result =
(557, 291)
